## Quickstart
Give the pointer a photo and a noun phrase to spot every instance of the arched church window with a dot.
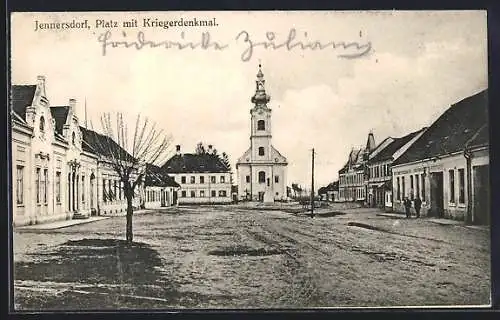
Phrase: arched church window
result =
(73, 138)
(261, 125)
(42, 123)
(262, 177)
(261, 151)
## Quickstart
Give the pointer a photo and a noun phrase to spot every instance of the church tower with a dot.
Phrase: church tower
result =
(261, 171)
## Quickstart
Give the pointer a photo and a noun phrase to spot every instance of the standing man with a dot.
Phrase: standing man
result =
(417, 203)
(407, 204)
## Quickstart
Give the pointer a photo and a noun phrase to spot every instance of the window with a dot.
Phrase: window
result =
(212, 179)
(262, 177)
(276, 179)
(202, 193)
(183, 194)
(120, 190)
(42, 124)
(452, 185)
(202, 179)
(261, 151)
(403, 186)
(193, 194)
(193, 179)
(411, 187)
(222, 193)
(73, 136)
(20, 185)
(83, 189)
(461, 186)
(183, 179)
(214, 193)
(222, 179)
(417, 186)
(110, 191)
(104, 197)
(261, 125)
(248, 179)
(45, 183)
(423, 187)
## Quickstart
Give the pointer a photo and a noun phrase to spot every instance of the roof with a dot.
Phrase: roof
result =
(103, 145)
(388, 152)
(481, 138)
(22, 97)
(451, 131)
(190, 163)
(60, 114)
(157, 177)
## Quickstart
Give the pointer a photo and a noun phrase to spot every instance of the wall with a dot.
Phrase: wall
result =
(206, 187)
(453, 210)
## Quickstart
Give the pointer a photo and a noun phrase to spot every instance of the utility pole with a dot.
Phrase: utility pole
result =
(312, 186)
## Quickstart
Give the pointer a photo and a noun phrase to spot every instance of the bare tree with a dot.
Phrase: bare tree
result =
(128, 155)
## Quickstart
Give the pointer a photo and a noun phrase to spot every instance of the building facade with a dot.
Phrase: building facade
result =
(380, 169)
(57, 173)
(203, 178)
(353, 175)
(160, 190)
(262, 170)
(448, 166)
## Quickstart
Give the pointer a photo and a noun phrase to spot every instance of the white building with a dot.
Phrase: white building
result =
(262, 170)
(203, 178)
(160, 190)
(448, 166)
(380, 169)
(57, 173)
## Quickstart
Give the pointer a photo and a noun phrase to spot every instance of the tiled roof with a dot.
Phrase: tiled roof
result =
(22, 97)
(388, 152)
(102, 145)
(157, 177)
(481, 137)
(450, 132)
(60, 114)
(189, 163)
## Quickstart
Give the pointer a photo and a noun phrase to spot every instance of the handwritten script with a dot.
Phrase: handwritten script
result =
(347, 50)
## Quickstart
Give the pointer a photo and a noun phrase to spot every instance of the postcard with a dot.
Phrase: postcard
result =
(251, 159)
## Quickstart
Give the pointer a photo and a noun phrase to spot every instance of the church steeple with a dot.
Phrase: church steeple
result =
(260, 97)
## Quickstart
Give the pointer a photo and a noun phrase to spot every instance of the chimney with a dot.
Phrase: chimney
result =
(72, 104)
(178, 149)
(40, 80)
(210, 150)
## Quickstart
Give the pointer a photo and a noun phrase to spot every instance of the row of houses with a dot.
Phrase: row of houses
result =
(61, 171)
(446, 165)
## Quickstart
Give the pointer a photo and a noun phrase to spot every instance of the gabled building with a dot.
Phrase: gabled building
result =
(380, 169)
(448, 166)
(353, 175)
(330, 192)
(203, 178)
(58, 169)
(160, 189)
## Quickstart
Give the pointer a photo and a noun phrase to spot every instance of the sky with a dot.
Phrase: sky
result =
(419, 63)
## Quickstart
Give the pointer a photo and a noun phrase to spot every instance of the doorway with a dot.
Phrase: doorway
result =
(437, 198)
(261, 196)
(163, 198)
(481, 198)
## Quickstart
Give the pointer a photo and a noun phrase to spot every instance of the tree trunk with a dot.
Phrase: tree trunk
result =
(130, 211)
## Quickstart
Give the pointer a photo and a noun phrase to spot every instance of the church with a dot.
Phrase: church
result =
(262, 170)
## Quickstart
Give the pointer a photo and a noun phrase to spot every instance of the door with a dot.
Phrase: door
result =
(437, 197)
(261, 196)
(481, 202)
(162, 198)
(174, 198)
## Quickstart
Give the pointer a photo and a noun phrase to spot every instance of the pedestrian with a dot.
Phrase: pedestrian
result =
(407, 204)
(417, 203)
